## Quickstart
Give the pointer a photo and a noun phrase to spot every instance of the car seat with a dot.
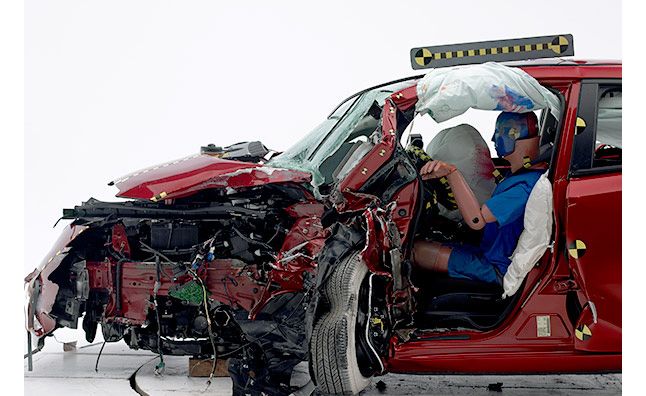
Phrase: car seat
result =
(450, 302)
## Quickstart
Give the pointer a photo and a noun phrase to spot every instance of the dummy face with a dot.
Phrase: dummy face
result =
(510, 127)
(512, 138)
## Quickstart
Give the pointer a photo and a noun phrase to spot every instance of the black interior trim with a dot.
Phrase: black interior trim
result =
(600, 170)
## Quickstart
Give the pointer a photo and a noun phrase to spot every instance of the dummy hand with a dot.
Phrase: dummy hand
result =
(436, 169)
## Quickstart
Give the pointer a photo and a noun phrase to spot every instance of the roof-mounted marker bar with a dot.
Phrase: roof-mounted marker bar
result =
(492, 51)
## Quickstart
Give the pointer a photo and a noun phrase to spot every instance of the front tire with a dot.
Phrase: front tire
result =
(333, 349)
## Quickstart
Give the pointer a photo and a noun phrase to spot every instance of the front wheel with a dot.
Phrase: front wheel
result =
(333, 350)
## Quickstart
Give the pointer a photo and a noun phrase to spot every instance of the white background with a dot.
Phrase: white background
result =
(113, 86)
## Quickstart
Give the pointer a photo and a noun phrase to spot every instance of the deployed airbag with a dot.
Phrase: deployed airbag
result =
(464, 147)
(448, 92)
(534, 239)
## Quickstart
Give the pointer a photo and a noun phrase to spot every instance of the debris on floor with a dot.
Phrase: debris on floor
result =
(381, 386)
(497, 387)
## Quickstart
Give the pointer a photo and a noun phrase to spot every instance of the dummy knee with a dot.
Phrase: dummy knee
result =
(431, 256)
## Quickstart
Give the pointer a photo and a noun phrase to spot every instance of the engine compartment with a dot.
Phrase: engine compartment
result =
(179, 276)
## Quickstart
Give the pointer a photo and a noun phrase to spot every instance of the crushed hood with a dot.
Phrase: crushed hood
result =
(187, 175)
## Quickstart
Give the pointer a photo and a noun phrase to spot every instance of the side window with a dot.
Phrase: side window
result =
(597, 141)
(607, 146)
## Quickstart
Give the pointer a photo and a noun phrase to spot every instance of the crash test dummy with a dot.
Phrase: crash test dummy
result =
(500, 217)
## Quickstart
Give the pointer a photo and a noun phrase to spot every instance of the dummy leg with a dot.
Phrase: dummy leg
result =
(431, 256)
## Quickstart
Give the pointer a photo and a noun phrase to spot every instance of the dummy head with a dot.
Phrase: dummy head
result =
(516, 138)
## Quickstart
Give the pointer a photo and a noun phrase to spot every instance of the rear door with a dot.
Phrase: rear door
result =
(593, 216)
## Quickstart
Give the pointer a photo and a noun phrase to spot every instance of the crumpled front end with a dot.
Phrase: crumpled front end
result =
(189, 175)
(40, 291)
(223, 271)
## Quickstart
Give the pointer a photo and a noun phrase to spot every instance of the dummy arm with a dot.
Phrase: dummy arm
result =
(474, 215)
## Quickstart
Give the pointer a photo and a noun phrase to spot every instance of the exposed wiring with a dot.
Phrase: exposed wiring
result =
(294, 256)
(160, 254)
(295, 248)
(96, 366)
(250, 240)
(207, 245)
(195, 277)
(253, 241)
(226, 290)
(278, 230)
(57, 340)
(90, 345)
(156, 253)
(208, 320)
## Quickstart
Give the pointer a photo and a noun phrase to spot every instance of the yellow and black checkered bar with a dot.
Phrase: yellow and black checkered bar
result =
(492, 51)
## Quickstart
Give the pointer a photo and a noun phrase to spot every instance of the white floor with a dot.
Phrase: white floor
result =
(72, 373)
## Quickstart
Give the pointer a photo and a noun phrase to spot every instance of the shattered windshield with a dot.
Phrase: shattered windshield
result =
(324, 149)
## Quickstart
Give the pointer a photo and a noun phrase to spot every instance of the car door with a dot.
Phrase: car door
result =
(593, 216)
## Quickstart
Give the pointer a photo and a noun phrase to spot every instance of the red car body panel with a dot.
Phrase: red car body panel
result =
(137, 282)
(383, 150)
(190, 174)
(598, 271)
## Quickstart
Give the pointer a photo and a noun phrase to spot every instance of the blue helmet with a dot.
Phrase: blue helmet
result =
(511, 127)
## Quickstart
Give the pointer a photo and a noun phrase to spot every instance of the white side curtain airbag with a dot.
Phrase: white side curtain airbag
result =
(448, 92)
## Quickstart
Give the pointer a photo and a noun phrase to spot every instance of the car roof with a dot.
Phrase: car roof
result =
(542, 69)
(548, 68)
(562, 62)
(562, 68)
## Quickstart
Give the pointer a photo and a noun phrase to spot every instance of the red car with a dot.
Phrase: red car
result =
(271, 259)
